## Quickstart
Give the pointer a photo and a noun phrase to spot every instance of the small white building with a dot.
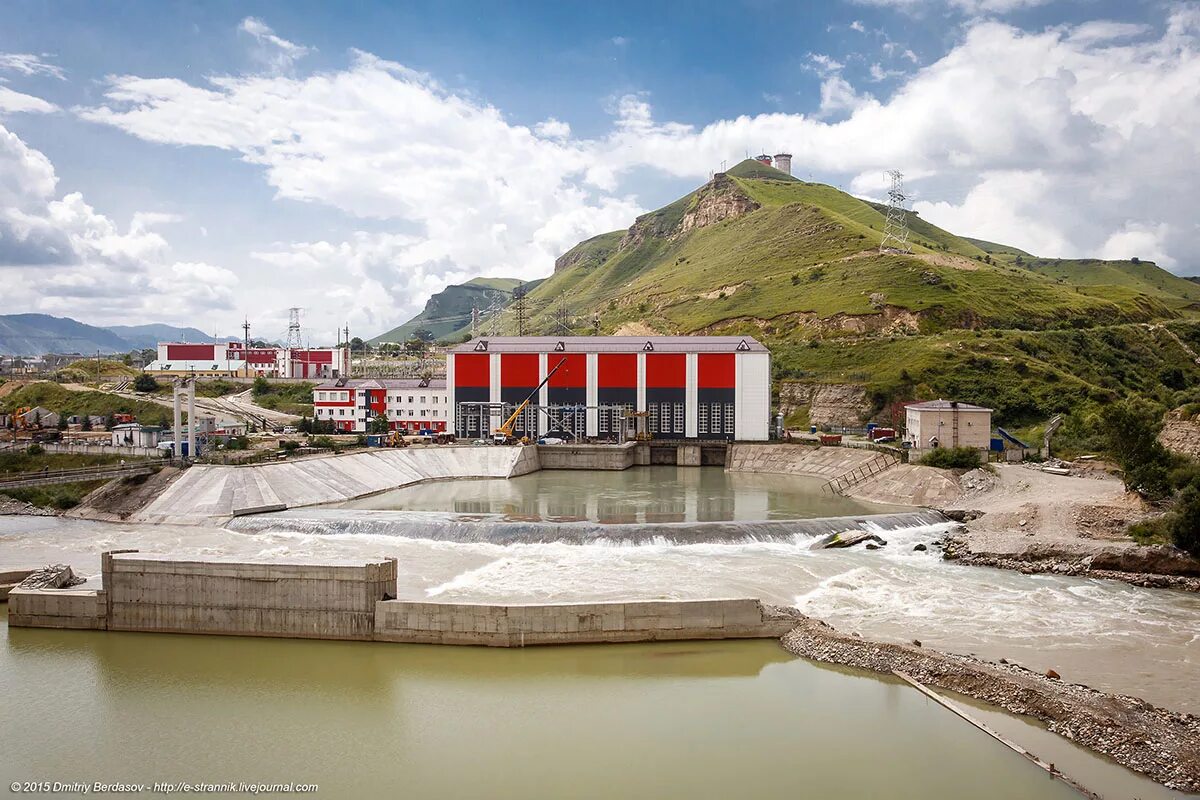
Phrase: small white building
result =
(133, 434)
(947, 423)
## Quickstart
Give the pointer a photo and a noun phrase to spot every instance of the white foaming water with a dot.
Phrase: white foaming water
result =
(1107, 634)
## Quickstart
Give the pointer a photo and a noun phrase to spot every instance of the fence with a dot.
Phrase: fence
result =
(876, 465)
(91, 449)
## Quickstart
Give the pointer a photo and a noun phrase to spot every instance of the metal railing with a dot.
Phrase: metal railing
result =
(78, 474)
(878, 464)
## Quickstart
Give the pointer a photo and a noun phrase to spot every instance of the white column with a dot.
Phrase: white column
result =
(494, 391)
(191, 423)
(543, 398)
(641, 382)
(177, 428)
(691, 421)
(450, 401)
(593, 394)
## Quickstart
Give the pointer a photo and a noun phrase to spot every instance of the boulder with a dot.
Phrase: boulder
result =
(920, 547)
(961, 515)
(847, 539)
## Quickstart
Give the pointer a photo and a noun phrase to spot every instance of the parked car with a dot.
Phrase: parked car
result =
(290, 429)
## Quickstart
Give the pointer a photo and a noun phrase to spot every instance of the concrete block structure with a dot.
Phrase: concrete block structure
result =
(686, 387)
(410, 405)
(947, 423)
(311, 601)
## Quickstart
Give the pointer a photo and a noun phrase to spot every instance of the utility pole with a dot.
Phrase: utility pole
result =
(474, 318)
(97, 366)
(246, 334)
(562, 315)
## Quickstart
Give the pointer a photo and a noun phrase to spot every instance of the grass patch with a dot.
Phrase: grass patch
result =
(61, 496)
(287, 398)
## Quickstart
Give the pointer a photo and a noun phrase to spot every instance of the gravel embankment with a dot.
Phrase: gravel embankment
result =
(1161, 744)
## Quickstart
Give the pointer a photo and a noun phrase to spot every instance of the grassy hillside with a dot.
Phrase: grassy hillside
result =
(805, 259)
(797, 265)
(60, 400)
(448, 313)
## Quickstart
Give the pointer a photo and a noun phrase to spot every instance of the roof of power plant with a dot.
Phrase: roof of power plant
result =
(612, 344)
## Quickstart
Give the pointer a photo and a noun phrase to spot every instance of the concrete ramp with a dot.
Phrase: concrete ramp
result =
(798, 459)
(207, 493)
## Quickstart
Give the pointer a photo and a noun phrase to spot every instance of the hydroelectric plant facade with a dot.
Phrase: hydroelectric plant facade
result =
(612, 388)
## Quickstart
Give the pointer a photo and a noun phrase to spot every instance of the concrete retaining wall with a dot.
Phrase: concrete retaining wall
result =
(353, 601)
(588, 456)
(798, 459)
(575, 623)
(210, 492)
(83, 609)
(321, 601)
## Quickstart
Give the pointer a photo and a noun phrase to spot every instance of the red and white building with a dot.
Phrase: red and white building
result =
(234, 359)
(410, 405)
(690, 387)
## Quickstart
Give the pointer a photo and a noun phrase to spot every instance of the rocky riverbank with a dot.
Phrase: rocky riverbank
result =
(1152, 567)
(1161, 744)
(1023, 519)
(10, 506)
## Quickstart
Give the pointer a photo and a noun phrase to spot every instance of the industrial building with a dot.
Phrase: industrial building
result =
(410, 405)
(235, 359)
(612, 387)
(947, 423)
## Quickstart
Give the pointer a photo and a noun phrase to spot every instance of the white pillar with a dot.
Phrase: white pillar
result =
(191, 393)
(177, 429)
(593, 395)
(691, 408)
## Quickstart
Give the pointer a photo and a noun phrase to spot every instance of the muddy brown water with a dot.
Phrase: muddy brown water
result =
(686, 720)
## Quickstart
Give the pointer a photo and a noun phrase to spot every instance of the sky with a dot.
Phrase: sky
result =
(201, 163)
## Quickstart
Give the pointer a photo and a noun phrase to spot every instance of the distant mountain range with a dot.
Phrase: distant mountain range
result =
(35, 334)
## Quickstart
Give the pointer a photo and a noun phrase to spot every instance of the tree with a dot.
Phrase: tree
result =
(86, 422)
(260, 386)
(380, 424)
(424, 334)
(1130, 430)
(62, 420)
(415, 346)
(1185, 523)
(145, 383)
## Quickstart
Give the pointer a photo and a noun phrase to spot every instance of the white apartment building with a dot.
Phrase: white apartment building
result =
(411, 405)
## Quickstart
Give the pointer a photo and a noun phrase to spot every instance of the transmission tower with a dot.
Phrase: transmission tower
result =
(519, 302)
(562, 315)
(293, 333)
(895, 231)
(474, 319)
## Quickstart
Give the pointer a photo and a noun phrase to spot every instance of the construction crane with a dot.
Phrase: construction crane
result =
(504, 434)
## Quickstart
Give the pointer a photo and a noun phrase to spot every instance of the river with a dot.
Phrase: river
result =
(667, 720)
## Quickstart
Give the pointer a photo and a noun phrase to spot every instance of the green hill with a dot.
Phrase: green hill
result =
(447, 314)
(798, 264)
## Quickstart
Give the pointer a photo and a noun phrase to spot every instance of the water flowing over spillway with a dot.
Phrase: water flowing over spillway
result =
(504, 530)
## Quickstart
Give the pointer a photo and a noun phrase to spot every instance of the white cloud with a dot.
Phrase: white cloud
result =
(12, 101)
(973, 7)
(59, 256)
(276, 52)
(1066, 142)
(858, 26)
(29, 64)
(620, 41)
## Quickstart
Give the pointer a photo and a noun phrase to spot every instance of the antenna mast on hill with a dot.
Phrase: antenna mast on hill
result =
(895, 231)
(293, 333)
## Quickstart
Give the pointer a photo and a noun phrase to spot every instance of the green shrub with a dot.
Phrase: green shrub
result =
(952, 458)
(34, 450)
(145, 383)
(1184, 524)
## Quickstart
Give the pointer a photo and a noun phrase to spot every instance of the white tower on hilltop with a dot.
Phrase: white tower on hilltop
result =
(783, 162)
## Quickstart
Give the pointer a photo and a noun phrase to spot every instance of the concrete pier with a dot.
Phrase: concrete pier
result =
(354, 600)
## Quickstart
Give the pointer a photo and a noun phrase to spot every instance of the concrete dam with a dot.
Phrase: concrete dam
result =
(501, 530)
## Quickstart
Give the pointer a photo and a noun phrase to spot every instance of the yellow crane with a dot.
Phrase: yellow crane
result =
(504, 434)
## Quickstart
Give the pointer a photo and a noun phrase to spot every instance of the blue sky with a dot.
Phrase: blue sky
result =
(194, 162)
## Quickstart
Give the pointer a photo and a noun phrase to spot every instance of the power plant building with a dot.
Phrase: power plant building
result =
(612, 387)
(234, 359)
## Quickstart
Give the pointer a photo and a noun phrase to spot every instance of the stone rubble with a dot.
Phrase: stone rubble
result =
(52, 576)
(1156, 742)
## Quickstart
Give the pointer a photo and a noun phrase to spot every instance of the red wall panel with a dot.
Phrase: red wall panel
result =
(193, 352)
(519, 369)
(716, 371)
(473, 369)
(666, 370)
(572, 375)
(313, 356)
(617, 370)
